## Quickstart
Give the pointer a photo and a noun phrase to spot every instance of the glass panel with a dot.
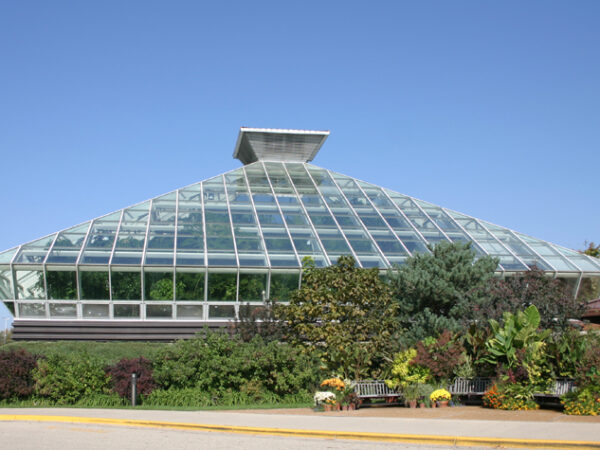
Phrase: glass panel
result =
(190, 258)
(6, 257)
(6, 285)
(253, 286)
(61, 285)
(157, 258)
(252, 260)
(34, 252)
(95, 257)
(221, 312)
(94, 311)
(413, 242)
(126, 311)
(282, 285)
(63, 310)
(190, 311)
(32, 310)
(190, 286)
(30, 284)
(158, 285)
(126, 285)
(131, 258)
(290, 261)
(159, 312)
(589, 288)
(94, 285)
(222, 286)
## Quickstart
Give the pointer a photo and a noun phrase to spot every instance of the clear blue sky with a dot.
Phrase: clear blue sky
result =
(488, 108)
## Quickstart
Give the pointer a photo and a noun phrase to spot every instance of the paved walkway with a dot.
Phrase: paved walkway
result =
(409, 430)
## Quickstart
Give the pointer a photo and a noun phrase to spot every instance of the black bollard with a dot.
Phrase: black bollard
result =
(133, 388)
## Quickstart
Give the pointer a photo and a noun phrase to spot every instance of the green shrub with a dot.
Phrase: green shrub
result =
(198, 398)
(66, 380)
(218, 363)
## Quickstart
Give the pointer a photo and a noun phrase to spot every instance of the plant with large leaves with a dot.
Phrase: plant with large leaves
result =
(518, 344)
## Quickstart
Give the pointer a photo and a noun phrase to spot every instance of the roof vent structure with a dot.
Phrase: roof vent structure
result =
(269, 144)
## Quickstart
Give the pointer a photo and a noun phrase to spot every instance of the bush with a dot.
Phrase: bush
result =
(510, 396)
(16, 374)
(218, 363)
(198, 398)
(441, 357)
(583, 402)
(120, 376)
(66, 380)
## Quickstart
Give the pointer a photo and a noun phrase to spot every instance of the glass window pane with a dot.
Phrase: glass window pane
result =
(61, 285)
(63, 310)
(221, 312)
(94, 311)
(30, 284)
(253, 286)
(222, 286)
(159, 311)
(94, 285)
(190, 311)
(158, 285)
(126, 311)
(282, 285)
(126, 285)
(190, 286)
(32, 310)
(6, 287)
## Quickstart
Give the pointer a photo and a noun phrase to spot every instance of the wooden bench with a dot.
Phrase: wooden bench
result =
(479, 386)
(375, 389)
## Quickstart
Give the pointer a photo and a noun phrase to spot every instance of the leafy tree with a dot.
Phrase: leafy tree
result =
(440, 291)
(554, 300)
(592, 250)
(440, 356)
(344, 313)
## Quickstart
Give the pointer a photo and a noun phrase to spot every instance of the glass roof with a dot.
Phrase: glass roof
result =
(274, 214)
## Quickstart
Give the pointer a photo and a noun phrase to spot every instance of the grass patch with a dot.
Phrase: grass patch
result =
(107, 352)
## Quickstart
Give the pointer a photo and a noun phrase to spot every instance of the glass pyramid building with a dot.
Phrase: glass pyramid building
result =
(202, 252)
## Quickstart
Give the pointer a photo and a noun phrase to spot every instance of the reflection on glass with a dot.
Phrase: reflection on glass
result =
(190, 286)
(189, 311)
(126, 311)
(282, 285)
(30, 284)
(252, 286)
(94, 311)
(159, 311)
(63, 310)
(32, 310)
(6, 291)
(221, 312)
(158, 285)
(61, 285)
(94, 285)
(222, 286)
(126, 285)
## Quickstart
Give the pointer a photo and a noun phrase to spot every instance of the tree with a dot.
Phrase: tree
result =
(592, 250)
(440, 290)
(344, 313)
(553, 299)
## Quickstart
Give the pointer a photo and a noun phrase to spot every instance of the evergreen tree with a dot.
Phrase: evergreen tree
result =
(440, 290)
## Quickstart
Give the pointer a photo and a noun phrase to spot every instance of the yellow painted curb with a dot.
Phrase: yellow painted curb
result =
(323, 434)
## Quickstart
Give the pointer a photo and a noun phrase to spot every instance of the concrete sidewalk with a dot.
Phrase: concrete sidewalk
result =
(444, 432)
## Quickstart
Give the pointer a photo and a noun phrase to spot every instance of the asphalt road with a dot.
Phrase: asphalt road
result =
(64, 436)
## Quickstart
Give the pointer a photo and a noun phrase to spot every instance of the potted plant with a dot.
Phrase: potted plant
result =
(441, 397)
(325, 400)
(424, 391)
(411, 393)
